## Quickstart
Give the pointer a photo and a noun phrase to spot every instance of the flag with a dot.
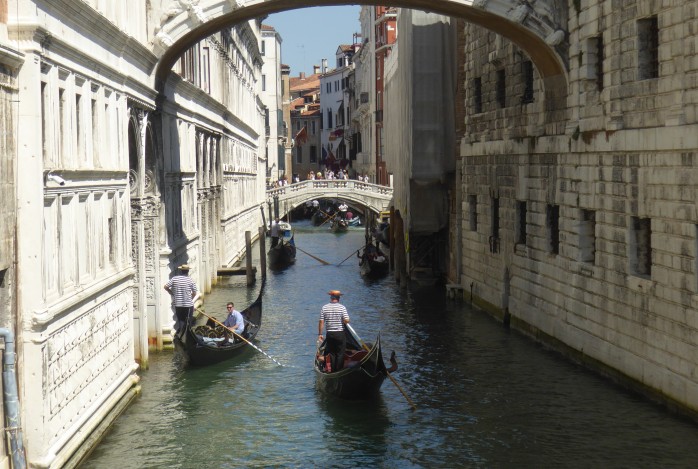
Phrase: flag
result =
(302, 136)
(330, 158)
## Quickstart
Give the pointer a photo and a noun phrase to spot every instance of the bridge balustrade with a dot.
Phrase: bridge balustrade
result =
(373, 196)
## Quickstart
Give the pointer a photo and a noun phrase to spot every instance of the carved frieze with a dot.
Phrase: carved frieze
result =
(81, 357)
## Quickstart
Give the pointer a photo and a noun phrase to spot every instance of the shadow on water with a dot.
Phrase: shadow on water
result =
(352, 424)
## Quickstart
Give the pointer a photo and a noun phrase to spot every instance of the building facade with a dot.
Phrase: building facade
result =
(363, 116)
(418, 132)
(273, 99)
(335, 102)
(120, 184)
(385, 25)
(579, 215)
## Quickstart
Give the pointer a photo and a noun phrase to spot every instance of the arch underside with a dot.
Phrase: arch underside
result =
(539, 30)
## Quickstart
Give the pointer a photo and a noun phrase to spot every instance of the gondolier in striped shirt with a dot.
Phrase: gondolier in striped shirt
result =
(333, 317)
(184, 294)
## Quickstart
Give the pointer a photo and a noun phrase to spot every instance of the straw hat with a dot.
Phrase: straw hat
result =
(334, 293)
(183, 267)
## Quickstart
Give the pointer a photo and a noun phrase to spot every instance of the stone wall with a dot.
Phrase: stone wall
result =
(586, 237)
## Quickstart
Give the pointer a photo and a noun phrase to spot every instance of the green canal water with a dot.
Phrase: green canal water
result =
(485, 396)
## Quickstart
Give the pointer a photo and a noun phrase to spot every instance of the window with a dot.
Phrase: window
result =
(264, 83)
(263, 47)
(501, 88)
(477, 95)
(587, 236)
(595, 53)
(494, 226)
(472, 212)
(552, 223)
(329, 118)
(313, 154)
(521, 222)
(640, 247)
(299, 155)
(527, 71)
(312, 127)
(648, 48)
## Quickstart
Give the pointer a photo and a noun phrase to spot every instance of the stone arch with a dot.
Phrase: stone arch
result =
(538, 27)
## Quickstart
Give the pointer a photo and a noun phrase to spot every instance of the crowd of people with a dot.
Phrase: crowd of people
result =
(327, 174)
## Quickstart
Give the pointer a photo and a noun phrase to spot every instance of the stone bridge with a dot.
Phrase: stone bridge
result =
(372, 196)
(537, 27)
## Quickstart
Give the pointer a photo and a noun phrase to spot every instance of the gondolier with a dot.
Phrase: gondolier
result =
(184, 294)
(333, 317)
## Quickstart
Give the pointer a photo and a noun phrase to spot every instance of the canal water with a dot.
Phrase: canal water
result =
(485, 396)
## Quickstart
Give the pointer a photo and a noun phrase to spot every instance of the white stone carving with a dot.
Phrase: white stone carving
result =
(162, 39)
(555, 38)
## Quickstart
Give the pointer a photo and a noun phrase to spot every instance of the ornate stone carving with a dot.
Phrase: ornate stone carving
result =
(82, 357)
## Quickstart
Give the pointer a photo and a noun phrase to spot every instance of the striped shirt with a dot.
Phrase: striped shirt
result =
(183, 289)
(334, 315)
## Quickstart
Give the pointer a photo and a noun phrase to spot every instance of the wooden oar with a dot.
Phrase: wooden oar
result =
(351, 329)
(238, 335)
(354, 252)
(330, 218)
(314, 257)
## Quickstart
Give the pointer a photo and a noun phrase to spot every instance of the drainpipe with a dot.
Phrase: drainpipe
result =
(11, 400)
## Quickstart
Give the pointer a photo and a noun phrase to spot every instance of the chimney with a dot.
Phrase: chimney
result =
(316, 69)
(324, 65)
(302, 75)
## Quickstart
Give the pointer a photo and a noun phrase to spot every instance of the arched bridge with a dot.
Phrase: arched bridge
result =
(372, 196)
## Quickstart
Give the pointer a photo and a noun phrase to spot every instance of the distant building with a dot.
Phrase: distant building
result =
(385, 34)
(306, 123)
(272, 96)
(335, 106)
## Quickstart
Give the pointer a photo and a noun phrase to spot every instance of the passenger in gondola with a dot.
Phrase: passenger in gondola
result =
(333, 317)
(234, 321)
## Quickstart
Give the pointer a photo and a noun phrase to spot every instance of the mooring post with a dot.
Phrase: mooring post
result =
(263, 250)
(248, 257)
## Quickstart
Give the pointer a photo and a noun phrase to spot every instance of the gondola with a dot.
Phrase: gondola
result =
(373, 262)
(207, 344)
(363, 373)
(339, 225)
(283, 254)
(374, 267)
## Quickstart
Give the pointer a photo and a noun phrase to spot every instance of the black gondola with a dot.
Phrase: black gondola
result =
(339, 225)
(283, 254)
(362, 375)
(373, 262)
(374, 267)
(205, 344)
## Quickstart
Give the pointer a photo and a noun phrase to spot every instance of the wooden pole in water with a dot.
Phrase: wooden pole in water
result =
(248, 257)
(263, 250)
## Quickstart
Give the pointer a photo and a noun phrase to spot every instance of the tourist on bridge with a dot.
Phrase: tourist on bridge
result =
(184, 294)
(333, 317)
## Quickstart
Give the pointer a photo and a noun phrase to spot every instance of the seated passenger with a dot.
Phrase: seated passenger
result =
(234, 320)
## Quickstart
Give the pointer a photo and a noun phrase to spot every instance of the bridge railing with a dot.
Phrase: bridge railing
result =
(330, 184)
